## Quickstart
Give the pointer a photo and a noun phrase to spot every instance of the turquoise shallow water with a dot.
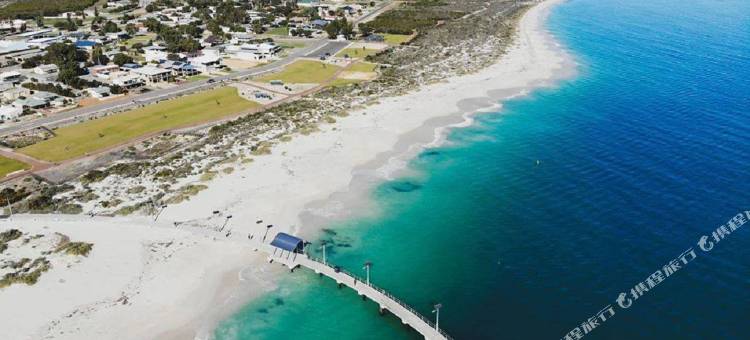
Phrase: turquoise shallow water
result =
(640, 154)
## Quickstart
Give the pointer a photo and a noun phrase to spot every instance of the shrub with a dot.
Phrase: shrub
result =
(75, 248)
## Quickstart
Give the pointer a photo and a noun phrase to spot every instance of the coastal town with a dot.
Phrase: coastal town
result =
(159, 132)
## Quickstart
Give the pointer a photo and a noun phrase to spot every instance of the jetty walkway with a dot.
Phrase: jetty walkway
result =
(386, 301)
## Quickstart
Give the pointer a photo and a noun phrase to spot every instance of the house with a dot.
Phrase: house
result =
(25, 36)
(129, 66)
(206, 63)
(152, 74)
(180, 68)
(14, 93)
(155, 53)
(43, 43)
(30, 103)
(308, 3)
(117, 36)
(319, 23)
(10, 77)
(86, 45)
(45, 96)
(262, 51)
(10, 112)
(103, 70)
(212, 40)
(8, 47)
(47, 69)
(242, 38)
(127, 80)
(12, 25)
(99, 92)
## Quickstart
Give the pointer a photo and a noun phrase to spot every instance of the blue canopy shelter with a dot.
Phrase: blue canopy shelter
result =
(288, 242)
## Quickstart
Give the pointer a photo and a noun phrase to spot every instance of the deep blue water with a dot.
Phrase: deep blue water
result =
(644, 151)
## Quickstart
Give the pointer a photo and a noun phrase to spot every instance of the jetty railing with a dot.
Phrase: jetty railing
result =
(384, 292)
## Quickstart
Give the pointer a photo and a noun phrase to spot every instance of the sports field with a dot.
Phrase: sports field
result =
(8, 165)
(303, 72)
(80, 139)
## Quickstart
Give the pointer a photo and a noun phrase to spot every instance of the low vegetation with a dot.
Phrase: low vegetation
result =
(28, 9)
(303, 72)
(26, 271)
(75, 248)
(8, 166)
(409, 19)
(84, 138)
(354, 52)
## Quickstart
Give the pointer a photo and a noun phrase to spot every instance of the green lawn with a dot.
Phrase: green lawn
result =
(279, 31)
(397, 39)
(8, 165)
(303, 72)
(356, 52)
(362, 66)
(80, 139)
(143, 39)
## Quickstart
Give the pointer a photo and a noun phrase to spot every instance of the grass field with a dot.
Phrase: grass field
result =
(143, 39)
(303, 72)
(362, 66)
(84, 138)
(8, 165)
(397, 39)
(279, 31)
(356, 52)
(356, 67)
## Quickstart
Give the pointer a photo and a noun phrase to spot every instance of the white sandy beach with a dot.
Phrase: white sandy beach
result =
(181, 290)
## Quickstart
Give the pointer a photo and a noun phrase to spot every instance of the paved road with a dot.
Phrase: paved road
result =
(329, 49)
(162, 94)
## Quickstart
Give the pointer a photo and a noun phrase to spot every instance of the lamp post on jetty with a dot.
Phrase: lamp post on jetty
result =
(304, 247)
(324, 243)
(437, 315)
(268, 227)
(225, 222)
(367, 266)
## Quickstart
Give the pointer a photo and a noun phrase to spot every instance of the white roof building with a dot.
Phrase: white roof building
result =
(46, 69)
(10, 112)
(155, 53)
(152, 74)
(262, 51)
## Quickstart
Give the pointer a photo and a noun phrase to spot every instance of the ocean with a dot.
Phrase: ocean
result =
(536, 217)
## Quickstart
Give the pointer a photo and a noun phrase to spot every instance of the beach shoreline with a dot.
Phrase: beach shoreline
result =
(349, 197)
(302, 186)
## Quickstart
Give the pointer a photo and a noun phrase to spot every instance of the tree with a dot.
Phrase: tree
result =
(39, 21)
(339, 27)
(131, 29)
(122, 59)
(98, 57)
(110, 27)
(257, 27)
(365, 29)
